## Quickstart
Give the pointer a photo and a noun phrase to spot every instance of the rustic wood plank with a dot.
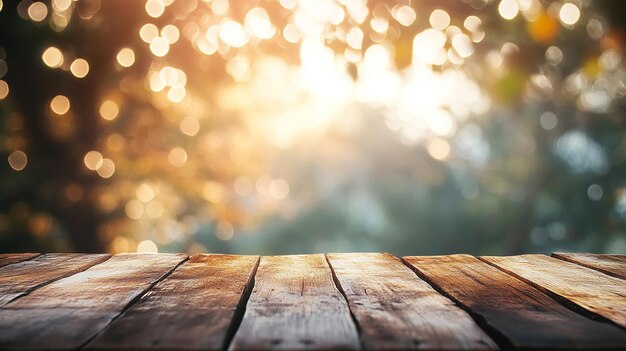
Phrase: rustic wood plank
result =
(20, 278)
(614, 265)
(192, 309)
(10, 258)
(68, 312)
(584, 287)
(295, 305)
(523, 315)
(396, 310)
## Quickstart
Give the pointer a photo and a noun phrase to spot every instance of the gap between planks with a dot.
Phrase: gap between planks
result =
(198, 305)
(613, 265)
(502, 341)
(65, 313)
(20, 278)
(7, 259)
(343, 293)
(295, 304)
(132, 302)
(567, 297)
(398, 310)
(525, 315)
(240, 310)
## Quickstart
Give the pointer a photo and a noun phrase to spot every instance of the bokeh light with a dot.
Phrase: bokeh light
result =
(18, 160)
(52, 57)
(4, 89)
(106, 169)
(439, 19)
(147, 246)
(155, 8)
(93, 160)
(404, 14)
(37, 11)
(79, 68)
(569, 14)
(109, 110)
(159, 46)
(60, 104)
(126, 57)
(508, 9)
(177, 157)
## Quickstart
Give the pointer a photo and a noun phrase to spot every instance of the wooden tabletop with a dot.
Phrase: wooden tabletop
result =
(334, 301)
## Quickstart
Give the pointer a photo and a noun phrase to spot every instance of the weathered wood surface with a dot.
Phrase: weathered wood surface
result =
(397, 310)
(193, 308)
(295, 305)
(338, 301)
(11, 258)
(585, 287)
(68, 312)
(614, 265)
(20, 278)
(525, 316)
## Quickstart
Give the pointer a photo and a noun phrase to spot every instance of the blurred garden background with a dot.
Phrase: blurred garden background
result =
(293, 126)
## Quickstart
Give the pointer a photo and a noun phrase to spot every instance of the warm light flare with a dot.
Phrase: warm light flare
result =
(569, 14)
(126, 57)
(60, 104)
(155, 8)
(52, 57)
(38, 11)
(4, 89)
(93, 160)
(233, 34)
(508, 9)
(109, 110)
(80, 68)
(18, 160)
(147, 246)
(439, 19)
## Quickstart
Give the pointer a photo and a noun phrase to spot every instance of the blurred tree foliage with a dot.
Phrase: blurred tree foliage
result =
(542, 169)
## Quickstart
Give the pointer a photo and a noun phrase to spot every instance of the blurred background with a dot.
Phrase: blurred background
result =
(293, 126)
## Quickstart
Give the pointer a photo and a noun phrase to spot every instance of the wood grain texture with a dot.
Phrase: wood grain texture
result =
(587, 288)
(20, 278)
(396, 310)
(525, 316)
(68, 312)
(11, 258)
(295, 305)
(614, 265)
(192, 309)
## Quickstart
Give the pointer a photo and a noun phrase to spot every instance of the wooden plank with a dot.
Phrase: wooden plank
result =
(193, 308)
(20, 278)
(396, 310)
(584, 287)
(10, 258)
(68, 312)
(614, 265)
(521, 315)
(295, 305)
